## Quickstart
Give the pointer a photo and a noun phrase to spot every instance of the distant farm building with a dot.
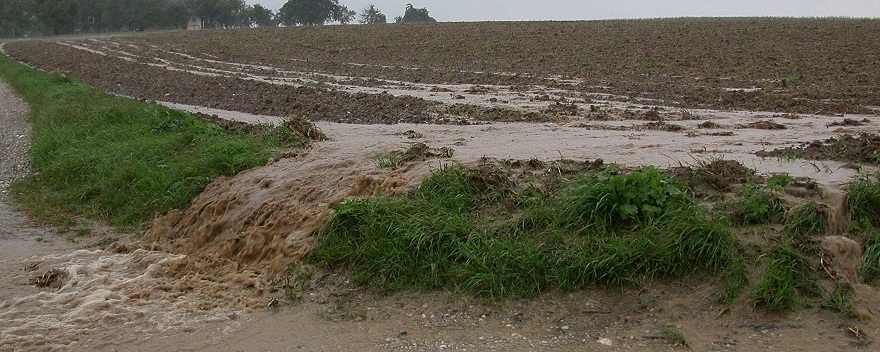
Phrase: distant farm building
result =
(194, 24)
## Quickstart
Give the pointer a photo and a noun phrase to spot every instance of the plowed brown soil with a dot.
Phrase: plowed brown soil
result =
(793, 65)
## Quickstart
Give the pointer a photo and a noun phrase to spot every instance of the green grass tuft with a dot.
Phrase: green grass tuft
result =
(735, 277)
(841, 300)
(806, 220)
(779, 181)
(788, 276)
(118, 159)
(871, 267)
(863, 200)
(672, 334)
(755, 204)
(389, 160)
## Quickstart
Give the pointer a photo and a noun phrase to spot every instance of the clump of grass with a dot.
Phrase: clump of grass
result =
(805, 220)
(863, 200)
(389, 160)
(863, 205)
(413, 241)
(720, 174)
(602, 202)
(448, 233)
(841, 300)
(672, 334)
(788, 276)
(118, 159)
(779, 181)
(736, 277)
(871, 267)
(755, 204)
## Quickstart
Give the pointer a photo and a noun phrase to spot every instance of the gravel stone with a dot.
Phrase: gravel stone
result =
(15, 139)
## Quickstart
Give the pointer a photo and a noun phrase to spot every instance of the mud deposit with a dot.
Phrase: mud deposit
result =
(202, 278)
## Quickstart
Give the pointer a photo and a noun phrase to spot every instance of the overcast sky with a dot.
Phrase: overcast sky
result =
(527, 10)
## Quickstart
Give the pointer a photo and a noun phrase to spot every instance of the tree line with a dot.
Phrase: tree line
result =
(19, 18)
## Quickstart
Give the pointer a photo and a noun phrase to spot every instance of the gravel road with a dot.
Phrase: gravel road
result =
(15, 137)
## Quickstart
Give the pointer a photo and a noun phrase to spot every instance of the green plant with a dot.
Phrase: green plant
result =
(82, 231)
(449, 233)
(788, 275)
(778, 181)
(790, 155)
(672, 334)
(863, 200)
(604, 201)
(389, 160)
(755, 204)
(805, 220)
(841, 300)
(871, 267)
(735, 278)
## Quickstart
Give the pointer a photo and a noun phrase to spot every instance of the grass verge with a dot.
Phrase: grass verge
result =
(118, 159)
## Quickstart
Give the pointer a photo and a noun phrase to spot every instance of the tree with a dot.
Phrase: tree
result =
(218, 13)
(372, 15)
(114, 15)
(144, 14)
(57, 15)
(176, 15)
(313, 12)
(88, 15)
(17, 18)
(32, 17)
(414, 15)
(342, 14)
(261, 16)
(230, 13)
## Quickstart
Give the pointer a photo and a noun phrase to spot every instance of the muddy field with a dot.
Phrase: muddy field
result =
(774, 96)
(489, 71)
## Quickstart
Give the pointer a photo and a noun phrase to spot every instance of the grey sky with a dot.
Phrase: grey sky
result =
(524, 10)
